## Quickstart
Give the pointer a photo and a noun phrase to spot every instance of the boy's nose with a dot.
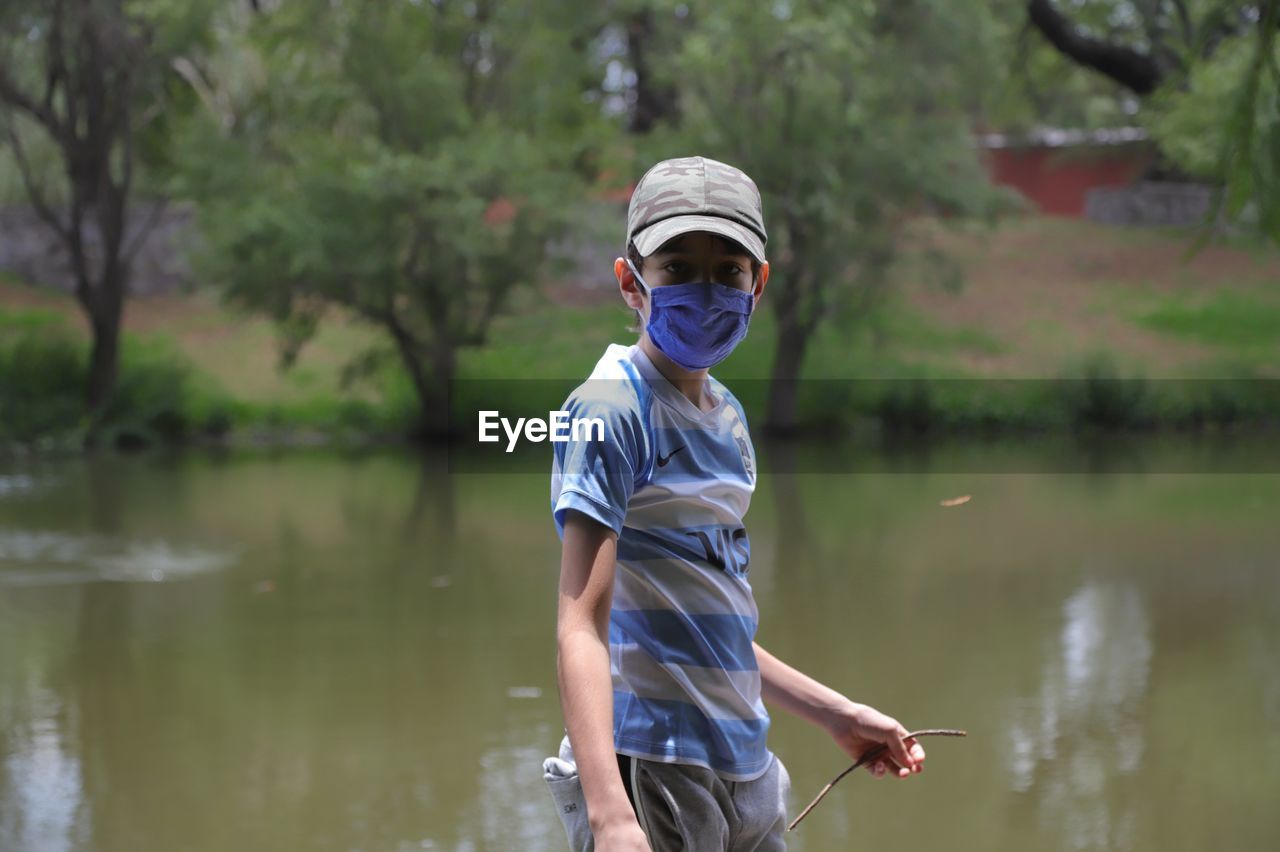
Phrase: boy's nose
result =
(708, 273)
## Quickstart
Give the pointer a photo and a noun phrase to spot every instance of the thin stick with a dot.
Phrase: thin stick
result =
(870, 755)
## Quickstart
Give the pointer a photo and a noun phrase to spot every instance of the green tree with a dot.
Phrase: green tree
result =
(1209, 74)
(408, 162)
(1250, 156)
(88, 83)
(1142, 44)
(1195, 124)
(852, 118)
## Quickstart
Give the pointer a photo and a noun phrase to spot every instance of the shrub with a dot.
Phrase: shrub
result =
(1104, 400)
(43, 371)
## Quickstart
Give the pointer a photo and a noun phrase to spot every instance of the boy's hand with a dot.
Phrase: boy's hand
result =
(622, 835)
(857, 728)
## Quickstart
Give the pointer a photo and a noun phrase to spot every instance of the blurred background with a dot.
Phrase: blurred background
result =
(1013, 385)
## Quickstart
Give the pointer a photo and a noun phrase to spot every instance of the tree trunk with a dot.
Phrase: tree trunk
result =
(104, 306)
(784, 381)
(437, 419)
(104, 363)
(431, 373)
(654, 102)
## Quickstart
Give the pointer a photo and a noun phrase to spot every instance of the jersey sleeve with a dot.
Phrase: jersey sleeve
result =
(596, 473)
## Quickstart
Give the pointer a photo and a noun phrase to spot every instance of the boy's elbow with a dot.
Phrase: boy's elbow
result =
(570, 635)
(585, 616)
(576, 629)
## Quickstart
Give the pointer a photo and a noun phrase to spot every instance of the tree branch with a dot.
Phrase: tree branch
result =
(34, 191)
(1184, 20)
(1022, 66)
(11, 94)
(1130, 68)
(140, 237)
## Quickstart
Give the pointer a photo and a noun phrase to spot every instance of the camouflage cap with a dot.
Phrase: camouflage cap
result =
(695, 194)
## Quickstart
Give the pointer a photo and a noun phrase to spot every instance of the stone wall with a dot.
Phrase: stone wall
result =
(31, 251)
(1150, 203)
(581, 267)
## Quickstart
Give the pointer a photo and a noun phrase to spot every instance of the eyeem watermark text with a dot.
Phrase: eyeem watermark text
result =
(557, 428)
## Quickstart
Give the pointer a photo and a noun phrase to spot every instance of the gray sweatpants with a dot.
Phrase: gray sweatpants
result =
(682, 808)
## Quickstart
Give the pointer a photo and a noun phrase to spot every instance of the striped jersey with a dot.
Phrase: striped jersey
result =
(674, 483)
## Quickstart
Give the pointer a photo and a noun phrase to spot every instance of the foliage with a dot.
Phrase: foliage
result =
(41, 380)
(410, 162)
(158, 399)
(1250, 161)
(1223, 125)
(1032, 84)
(1193, 125)
(1103, 54)
(167, 29)
(851, 117)
(87, 84)
(1216, 105)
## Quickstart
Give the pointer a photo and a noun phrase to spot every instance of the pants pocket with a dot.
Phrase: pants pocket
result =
(566, 791)
(784, 787)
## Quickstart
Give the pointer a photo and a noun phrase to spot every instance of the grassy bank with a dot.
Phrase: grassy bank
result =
(1141, 336)
(172, 389)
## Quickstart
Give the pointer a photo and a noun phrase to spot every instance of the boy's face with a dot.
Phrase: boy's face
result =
(697, 256)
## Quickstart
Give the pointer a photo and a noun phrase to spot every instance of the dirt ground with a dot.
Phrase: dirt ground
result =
(1055, 289)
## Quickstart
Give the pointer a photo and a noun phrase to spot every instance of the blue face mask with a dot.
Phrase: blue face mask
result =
(696, 325)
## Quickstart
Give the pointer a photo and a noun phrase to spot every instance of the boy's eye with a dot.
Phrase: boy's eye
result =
(680, 269)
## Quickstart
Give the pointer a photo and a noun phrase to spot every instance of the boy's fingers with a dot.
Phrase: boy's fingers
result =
(879, 769)
(898, 751)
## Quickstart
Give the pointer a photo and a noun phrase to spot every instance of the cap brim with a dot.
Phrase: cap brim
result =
(651, 238)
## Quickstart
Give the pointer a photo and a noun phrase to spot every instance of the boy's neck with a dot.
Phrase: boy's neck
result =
(691, 383)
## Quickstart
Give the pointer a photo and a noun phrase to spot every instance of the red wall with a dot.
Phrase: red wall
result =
(1056, 179)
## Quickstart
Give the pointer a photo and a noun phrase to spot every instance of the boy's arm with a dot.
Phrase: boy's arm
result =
(855, 727)
(586, 689)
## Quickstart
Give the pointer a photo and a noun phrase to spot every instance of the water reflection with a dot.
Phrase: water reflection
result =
(370, 665)
(43, 557)
(1071, 743)
(509, 800)
(16, 484)
(40, 801)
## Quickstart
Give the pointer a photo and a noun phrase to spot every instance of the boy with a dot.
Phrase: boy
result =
(661, 681)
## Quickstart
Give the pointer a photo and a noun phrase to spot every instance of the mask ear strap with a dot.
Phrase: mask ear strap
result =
(636, 273)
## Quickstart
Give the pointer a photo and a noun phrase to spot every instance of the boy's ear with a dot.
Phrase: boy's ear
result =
(631, 292)
(761, 280)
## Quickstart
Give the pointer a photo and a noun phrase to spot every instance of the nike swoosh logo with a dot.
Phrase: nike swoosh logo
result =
(662, 460)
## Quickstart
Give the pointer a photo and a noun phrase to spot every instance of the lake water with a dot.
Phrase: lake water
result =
(328, 651)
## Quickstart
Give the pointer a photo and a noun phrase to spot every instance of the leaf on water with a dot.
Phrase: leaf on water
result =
(264, 586)
(956, 501)
(441, 582)
(524, 692)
